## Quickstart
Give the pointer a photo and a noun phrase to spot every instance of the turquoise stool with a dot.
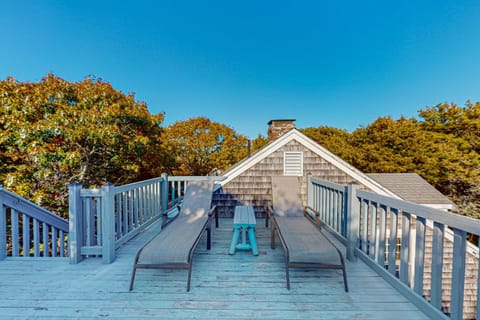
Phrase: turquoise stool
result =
(244, 222)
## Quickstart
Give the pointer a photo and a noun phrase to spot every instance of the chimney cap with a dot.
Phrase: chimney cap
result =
(281, 120)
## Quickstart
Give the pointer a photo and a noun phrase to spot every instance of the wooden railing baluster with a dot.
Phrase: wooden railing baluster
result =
(458, 274)
(419, 255)
(437, 264)
(14, 232)
(26, 235)
(405, 248)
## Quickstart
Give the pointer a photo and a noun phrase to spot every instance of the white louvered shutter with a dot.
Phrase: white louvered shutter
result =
(293, 163)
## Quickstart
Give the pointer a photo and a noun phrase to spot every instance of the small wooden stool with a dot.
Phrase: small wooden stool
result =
(244, 220)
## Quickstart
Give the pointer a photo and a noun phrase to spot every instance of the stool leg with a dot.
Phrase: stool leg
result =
(236, 233)
(253, 240)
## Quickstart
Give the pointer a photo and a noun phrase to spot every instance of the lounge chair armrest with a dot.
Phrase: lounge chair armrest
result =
(166, 212)
(213, 211)
(269, 211)
(315, 218)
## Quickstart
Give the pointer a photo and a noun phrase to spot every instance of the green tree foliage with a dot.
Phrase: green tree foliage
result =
(201, 145)
(442, 146)
(55, 132)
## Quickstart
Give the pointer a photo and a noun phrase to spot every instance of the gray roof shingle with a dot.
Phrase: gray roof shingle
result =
(411, 187)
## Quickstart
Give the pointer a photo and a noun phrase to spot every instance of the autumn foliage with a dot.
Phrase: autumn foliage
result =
(200, 146)
(55, 132)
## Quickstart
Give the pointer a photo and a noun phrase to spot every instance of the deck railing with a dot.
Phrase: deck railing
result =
(329, 199)
(101, 220)
(28, 230)
(406, 244)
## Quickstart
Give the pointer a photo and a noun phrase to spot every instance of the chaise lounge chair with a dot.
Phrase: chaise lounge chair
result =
(304, 244)
(173, 247)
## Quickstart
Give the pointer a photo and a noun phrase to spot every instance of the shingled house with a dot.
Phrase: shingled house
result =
(292, 153)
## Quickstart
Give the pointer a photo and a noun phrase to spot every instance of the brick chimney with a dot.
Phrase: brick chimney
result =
(277, 128)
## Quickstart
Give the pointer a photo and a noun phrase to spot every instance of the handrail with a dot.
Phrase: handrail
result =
(32, 229)
(329, 199)
(33, 210)
(406, 244)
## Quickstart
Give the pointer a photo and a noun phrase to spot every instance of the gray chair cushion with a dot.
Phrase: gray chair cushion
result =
(306, 244)
(173, 244)
(286, 199)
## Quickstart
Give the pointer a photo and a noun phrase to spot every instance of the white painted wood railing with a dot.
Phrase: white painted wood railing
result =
(28, 230)
(101, 220)
(394, 237)
(329, 199)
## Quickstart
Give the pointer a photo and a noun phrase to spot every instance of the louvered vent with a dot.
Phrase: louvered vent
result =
(293, 164)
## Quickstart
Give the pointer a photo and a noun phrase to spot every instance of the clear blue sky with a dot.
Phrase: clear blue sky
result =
(242, 63)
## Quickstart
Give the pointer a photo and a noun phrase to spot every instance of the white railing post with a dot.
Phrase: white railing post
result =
(352, 215)
(108, 223)
(164, 192)
(309, 190)
(75, 223)
(3, 228)
(164, 198)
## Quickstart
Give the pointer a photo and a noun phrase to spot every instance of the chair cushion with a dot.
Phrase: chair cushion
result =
(173, 244)
(285, 197)
(305, 243)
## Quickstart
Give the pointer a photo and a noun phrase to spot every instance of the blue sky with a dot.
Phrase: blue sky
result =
(242, 63)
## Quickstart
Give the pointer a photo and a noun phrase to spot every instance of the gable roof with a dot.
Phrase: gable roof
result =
(413, 188)
(312, 145)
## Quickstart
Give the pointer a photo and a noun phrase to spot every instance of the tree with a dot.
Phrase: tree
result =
(200, 145)
(443, 149)
(259, 142)
(463, 123)
(55, 132)
(335, 140)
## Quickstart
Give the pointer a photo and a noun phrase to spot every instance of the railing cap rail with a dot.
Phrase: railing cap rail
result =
(33, 210)
(191, 178)
(328, 184)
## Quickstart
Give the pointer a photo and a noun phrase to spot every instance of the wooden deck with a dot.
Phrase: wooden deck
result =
(241, 286)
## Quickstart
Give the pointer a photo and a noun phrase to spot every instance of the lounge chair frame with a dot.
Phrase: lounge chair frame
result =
(206, 228)
(317, 222)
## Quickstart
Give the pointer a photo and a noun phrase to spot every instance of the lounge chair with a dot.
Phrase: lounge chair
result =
(304, 243)
(173, 247)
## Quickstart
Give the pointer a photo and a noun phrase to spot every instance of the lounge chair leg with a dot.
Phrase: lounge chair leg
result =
(209, 238)
(189, 277)
(132, 279)
(345, 279)
(288, 278)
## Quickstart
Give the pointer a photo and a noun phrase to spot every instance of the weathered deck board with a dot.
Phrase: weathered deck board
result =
(241, 286)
